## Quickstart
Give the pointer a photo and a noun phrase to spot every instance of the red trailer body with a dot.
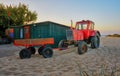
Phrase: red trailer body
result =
(47, 52)
(33, 42)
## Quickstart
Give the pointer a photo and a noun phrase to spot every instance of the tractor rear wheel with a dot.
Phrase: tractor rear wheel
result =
(95, 42)
(82, 47)
(25, 53)
(40, 50)
(32, 50)
(62, 45)
(47, 52)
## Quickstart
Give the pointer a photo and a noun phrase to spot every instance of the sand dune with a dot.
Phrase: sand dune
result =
(104, 60)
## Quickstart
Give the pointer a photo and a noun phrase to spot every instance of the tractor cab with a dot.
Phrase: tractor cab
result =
(86, 27)
(83, 30)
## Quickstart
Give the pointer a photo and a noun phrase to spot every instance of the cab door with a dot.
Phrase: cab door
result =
(88, 30)
(78, 32)
(91, 30)
(26, 32)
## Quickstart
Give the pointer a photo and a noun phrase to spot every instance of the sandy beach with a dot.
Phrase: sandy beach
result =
(95, 62)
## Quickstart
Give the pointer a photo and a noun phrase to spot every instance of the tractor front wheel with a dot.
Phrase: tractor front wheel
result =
(25, 53)
(82, 47)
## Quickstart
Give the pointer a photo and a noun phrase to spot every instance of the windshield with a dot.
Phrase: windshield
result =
(81, 26)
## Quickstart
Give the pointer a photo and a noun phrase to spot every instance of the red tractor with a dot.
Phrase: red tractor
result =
(82, 34)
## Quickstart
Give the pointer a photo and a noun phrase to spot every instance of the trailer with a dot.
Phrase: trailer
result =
(30, 44)
(38, 30)
(41, 34)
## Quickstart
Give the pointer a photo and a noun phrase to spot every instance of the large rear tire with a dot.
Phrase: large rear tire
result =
(82, 47)
(95, 42)
(47, 52)
(25, 53)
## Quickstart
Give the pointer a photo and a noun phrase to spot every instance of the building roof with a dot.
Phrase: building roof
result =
(47, 22)
(41, 23)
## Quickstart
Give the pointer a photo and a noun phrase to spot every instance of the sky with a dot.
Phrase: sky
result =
(104, 13)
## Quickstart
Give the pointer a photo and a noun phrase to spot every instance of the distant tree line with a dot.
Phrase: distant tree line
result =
(16, 15)
(114, 35)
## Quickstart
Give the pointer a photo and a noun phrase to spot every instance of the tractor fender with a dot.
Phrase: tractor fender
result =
(97, 33)
(94, 33)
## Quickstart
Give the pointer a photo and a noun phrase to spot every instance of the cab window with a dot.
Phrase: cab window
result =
(78, 27)
(92, 27)
(83, 26)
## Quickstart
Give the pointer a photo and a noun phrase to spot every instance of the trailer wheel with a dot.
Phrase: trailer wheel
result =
(32, 50)
(82, 47)
(95, 42)
(24, 53)
(40, 50)
(47, 52)
(62, 45)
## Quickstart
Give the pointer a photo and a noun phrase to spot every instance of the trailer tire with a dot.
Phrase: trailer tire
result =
(25, 53)
(32, 50)
(82, 47)
(40, 50)
(47, 52)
